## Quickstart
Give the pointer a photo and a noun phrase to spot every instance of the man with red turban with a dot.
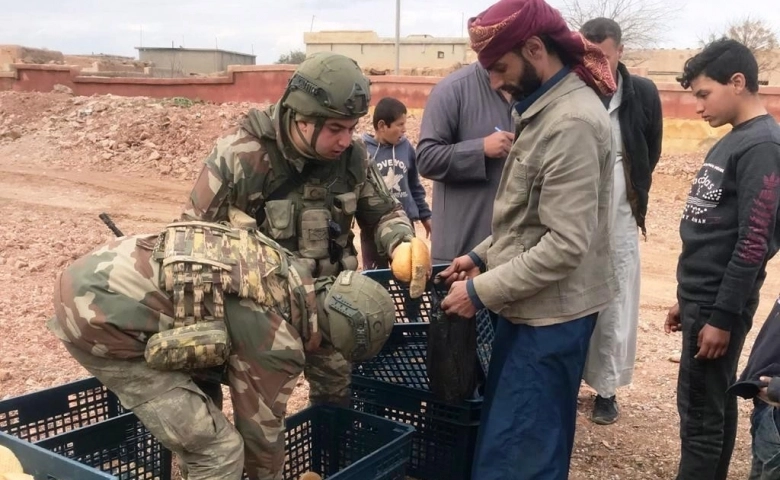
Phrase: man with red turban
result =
(546, 270)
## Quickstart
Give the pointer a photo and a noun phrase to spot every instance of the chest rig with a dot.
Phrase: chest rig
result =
(200, 264)
(310, 212)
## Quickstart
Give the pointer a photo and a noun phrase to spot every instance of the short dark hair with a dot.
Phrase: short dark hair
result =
(601, 28)
(389, 110)
(720, 60)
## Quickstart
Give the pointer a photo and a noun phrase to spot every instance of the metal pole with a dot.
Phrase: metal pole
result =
(397, 37)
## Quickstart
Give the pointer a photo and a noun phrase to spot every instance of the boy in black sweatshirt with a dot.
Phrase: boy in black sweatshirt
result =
(761, 381)
(729, 231)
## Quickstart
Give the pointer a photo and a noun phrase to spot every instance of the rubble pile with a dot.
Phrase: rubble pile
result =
(684, 165)
(139, 135)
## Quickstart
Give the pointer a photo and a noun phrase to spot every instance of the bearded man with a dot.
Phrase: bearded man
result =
(546, 270)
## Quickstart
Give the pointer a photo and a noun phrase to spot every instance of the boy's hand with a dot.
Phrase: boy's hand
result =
(427, 224)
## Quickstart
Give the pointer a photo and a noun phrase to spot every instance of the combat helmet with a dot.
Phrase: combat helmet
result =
(359, 316)
(328, 85)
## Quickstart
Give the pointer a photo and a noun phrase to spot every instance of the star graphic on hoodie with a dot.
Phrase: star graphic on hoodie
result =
(392, 180)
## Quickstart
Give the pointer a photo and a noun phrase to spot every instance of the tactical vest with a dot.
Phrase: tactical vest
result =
(200, 264)
(311, 212)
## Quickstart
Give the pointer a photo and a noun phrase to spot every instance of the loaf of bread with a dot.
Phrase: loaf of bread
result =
(310, 476)
(8, 462)
(16, 476)
(411, 264)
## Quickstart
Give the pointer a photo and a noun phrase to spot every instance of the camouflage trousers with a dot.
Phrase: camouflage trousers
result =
(176, 412)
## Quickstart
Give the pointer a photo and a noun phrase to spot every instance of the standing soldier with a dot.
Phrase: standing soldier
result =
(295, 172)
(142, 313)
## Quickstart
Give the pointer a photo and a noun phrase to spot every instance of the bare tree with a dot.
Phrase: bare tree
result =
(295, 57)
(643, 22)
(758, 36)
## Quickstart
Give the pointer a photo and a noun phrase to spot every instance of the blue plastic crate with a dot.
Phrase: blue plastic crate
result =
(44, 465)
(394, 385)
(45, 413)
(344, 444)
(86, 410)
(121, 446)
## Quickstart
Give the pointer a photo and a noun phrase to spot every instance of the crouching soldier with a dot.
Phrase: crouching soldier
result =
(145, 313)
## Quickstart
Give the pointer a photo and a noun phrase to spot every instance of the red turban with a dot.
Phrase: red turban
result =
(509, 23)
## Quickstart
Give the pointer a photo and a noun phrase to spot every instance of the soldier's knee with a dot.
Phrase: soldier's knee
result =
(186, 420)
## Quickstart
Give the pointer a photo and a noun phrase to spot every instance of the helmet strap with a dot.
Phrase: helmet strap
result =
(309, 150)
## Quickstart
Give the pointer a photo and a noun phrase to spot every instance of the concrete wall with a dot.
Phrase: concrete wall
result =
(418, 52)
(663, 65)
(10, 54)
(683, 130)
(184, 61)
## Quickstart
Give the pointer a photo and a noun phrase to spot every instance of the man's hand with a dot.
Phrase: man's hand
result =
(497, 145)
(460, 269)
(763, 393)
(672, 323)
(713, 343)
(458, 302)
(427, 225)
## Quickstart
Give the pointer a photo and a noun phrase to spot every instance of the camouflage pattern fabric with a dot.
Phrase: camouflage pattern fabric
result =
(176, 412)
(236, 175)
(238, 171)
(110, 302)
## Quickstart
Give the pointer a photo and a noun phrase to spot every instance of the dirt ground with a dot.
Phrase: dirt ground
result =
(64, 160)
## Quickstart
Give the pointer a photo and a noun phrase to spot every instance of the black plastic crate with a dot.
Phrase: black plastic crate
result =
(56, 410)
(394, 385)
(121, 446)
(344, 444)
(44, 465)
(54, 417)
(419, 310)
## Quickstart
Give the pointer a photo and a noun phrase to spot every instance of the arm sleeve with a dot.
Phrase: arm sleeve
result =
(655, 132)
(758, 195)
(568, 207)
(417, 190)
(229, 177)
(440, 156)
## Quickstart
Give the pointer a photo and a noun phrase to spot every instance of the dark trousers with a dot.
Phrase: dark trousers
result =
(708, 415)
(765, 430)
(529, 411)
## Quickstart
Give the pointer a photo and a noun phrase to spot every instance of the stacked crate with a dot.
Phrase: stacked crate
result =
(395, 385)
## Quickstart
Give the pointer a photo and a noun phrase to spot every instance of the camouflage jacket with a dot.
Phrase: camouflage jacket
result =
(110, 302)
(239, 172)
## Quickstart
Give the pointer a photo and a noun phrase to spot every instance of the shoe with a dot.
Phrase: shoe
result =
(605, 410)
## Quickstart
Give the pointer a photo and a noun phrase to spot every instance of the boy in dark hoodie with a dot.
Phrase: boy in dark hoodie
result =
(760, 381)
(395, 159)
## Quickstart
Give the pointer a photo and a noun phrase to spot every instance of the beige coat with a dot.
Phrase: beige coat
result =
(548, 260)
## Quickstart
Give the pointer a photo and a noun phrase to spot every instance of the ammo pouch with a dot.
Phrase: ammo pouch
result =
(314, 236)
(202, 345)
(280, 219)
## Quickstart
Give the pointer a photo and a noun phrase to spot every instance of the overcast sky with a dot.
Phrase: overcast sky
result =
(118, 26)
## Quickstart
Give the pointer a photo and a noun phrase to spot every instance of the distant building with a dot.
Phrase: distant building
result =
(180, 62)
(417, 52)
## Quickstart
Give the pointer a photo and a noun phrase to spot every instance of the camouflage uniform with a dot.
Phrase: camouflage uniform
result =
(254, 172)
(110, 302)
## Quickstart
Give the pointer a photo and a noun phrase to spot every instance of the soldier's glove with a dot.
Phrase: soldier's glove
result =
(411, 264)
